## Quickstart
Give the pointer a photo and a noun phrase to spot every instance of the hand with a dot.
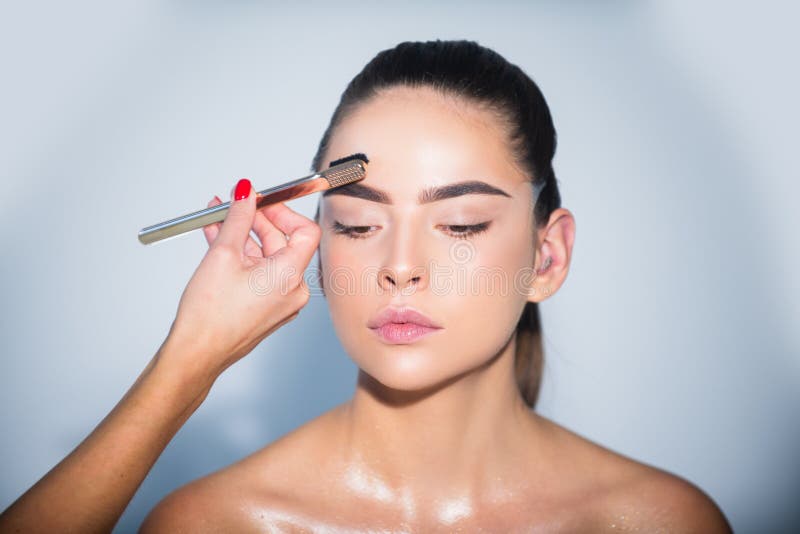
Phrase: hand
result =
(242, 291)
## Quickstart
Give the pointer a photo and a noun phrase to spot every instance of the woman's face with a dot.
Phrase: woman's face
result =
(409, 248)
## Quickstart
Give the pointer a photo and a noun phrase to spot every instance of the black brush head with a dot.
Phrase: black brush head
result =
(362, 157)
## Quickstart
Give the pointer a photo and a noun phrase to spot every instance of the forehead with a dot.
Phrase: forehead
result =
(418, 137)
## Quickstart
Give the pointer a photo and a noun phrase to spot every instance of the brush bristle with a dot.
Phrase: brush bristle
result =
(351, 157)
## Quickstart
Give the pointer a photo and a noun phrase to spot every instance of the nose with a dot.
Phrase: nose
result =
(402, 280)
(403, 270)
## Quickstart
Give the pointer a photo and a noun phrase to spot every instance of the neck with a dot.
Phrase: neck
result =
(459, 439)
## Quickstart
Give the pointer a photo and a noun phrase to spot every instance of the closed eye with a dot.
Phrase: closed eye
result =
(458, 231)
(463, 231)
(355, 232)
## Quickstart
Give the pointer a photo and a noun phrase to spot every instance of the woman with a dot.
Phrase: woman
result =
(432, 266)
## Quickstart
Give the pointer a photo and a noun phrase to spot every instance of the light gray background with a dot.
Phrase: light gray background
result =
(673, 341)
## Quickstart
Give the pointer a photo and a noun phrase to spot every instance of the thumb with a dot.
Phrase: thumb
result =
(239, 220)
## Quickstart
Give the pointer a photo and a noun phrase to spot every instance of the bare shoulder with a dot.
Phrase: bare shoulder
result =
(250, 495)
(628, 495)
(658, 501)
(199, 506)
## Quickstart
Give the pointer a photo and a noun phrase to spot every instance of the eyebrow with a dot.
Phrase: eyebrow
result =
(426, 196)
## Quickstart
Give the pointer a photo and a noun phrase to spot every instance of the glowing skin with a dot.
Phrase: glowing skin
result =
(436, 436)
(414, 144)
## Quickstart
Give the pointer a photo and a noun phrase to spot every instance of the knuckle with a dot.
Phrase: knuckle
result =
(314, 230)
(308, 235)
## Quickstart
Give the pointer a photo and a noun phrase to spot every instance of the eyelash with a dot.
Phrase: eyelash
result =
(469, 230)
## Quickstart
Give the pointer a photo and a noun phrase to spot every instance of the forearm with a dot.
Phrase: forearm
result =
(90, 488)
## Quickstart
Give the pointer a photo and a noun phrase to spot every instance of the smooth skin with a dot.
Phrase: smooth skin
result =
(436, 437)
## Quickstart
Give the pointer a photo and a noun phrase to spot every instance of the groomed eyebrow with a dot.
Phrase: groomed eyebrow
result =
(426, 196)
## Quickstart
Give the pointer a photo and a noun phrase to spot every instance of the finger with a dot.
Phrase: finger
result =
(271, 238)
(303, 233)
(236, 227)
(212, 230)
(252, 248)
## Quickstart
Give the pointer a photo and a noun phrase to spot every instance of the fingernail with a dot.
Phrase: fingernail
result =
(242, 189)
(218, 199)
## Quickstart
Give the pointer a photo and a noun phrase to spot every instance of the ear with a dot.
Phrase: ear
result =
(553, 255)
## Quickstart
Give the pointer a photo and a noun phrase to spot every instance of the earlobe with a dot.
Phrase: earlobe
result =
(535, 292)
(546, 290)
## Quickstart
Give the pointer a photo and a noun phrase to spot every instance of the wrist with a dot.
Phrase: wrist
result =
(184, 369)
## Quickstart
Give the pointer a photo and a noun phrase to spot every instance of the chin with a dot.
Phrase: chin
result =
(406, 369)
(399, 369)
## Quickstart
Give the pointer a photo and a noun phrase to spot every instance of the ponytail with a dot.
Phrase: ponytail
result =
(529, 355)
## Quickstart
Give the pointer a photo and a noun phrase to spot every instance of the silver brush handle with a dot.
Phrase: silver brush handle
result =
(335, 176)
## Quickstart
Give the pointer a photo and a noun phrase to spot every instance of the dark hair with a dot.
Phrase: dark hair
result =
(480, 75)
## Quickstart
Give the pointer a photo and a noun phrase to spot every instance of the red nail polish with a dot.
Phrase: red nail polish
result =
(242, 189)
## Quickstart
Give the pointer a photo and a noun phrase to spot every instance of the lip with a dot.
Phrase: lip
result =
(399, 325)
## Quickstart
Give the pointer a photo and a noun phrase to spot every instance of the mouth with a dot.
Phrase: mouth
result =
(402, 325)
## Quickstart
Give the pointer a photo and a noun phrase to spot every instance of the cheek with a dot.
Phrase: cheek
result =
(349, 303)
(344, 269)
(484, 296)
